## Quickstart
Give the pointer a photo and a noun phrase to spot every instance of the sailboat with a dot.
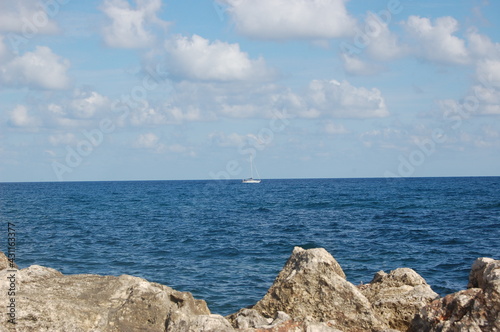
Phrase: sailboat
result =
(251, 179)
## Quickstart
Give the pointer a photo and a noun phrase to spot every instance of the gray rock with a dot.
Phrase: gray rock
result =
(184, 322)
(312, 287)
(398, 296)
(280, 318)
(50, 301)
(476, 277)
(248, 318)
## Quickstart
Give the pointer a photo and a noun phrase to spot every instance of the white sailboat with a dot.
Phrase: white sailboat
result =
(251, 179)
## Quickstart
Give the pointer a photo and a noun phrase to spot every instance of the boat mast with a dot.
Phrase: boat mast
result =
(251, 167)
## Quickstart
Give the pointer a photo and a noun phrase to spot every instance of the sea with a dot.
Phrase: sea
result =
(225, 242)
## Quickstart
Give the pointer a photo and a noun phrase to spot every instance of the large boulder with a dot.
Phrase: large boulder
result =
(398, 296)
(474, 309)
(47, 300)
(312, 288)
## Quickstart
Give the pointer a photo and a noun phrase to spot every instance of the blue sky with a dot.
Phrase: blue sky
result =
(160, 90)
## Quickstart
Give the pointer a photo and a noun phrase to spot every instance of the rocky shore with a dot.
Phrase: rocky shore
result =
(310, 294)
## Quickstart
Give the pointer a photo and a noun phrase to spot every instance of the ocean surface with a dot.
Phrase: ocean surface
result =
(225, 241)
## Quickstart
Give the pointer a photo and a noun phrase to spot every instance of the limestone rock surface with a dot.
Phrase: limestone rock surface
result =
(47, 300)
(312, 288)
(398, 296)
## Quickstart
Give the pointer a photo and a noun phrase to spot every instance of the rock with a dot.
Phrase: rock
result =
(5, 263)
(35, 273)
(50, 301)
(485, 274)
(295, 326)
(319, 327)
(312, 287)
(287, 326)
(398, 296)
(474, 309)
(280, 318)
(249, 318)
(185, 322)
(310, 294)
(476, 279)
(491, 277)
(448, 313)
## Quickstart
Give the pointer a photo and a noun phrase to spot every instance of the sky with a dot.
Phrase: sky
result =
(193, 89)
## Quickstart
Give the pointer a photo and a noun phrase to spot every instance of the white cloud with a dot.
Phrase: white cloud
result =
(384, 44)
(132, 28)
(26, 17)
(56, 109)
(355, 66)
(64, 139)
(86, 104)
(490, 132)
(151, 142)
(385, 138)
(488, 92)
(333, 128)
(202, 101)
(435, 42)
(291, 19)
(20, 117)
(147, 141)
(343, 100)
(179, 148)
(83, 109)
(4, 52)
(488, 72)
(232, 140)
(196, 58)
(489, 99)
(482, 46)
(40, 69)
(166, 114)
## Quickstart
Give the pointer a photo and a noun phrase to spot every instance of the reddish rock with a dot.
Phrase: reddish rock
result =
(474, 309)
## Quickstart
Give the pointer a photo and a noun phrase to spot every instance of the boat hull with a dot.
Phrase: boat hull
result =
(250, 181)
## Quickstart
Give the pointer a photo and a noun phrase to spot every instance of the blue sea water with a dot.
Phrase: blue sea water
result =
(225, 241)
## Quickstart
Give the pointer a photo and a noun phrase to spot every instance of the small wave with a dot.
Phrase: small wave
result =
(310, 245)
(489, 206)
(314, 205)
